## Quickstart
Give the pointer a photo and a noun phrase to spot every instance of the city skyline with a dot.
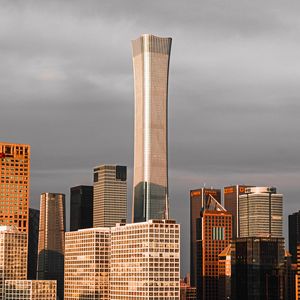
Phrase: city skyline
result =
(248, 92)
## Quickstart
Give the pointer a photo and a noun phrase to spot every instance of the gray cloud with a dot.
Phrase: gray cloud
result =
(66, 88)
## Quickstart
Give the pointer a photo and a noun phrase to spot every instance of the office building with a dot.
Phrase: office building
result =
(13, 255)
(30, 290)
(33, 237)
(261, 212)
(294, 234)
(198, 198)
(51, 243)
(224, 273)
(231, 204)
(87, 264)
(110, 195)
(290, 272)
(186, 291)
(258, 268)
(14, 185)
(298, 273)
(145, 261)
(151, 58)
(216, 236)
(81, 212)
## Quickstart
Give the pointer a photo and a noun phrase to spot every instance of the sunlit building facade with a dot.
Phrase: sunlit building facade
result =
(51, 244)
(110, 195)
(13, 256)
(145, 261)
(30, 290)
(87, 264)
(151, 58)
(14, 185)
(261, 212)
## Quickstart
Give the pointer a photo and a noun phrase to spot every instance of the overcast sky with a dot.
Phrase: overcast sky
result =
(66, 88)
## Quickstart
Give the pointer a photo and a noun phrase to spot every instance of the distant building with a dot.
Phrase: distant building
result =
(298, 273)
(294, 234)
(225, 274)
(33, 237)
(258, 268)
(110, 195)
(81, 212)
(51, 246)
(231, 204)
(87, 264)
(13, 255)
(30, 290)
(145, 261)
(216, 236)
(14, 184)
(198, 198)
(151, 60)
(187, 292)
(290, 272)
(261, 212)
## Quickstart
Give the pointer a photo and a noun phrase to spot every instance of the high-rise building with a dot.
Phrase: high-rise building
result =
(298, 273)
(13, 255)
(14, 184)
(110, 195)
(294, 234)
(87, 264)
(187, 292)
(51, 244)
(261, 212)
(33, 237)
(198, 198)
(258, 268)
(30, 290)
(216, 236)
(231, 204)
(151, 58)
(145, 261)
(81, 212)
(290, 271)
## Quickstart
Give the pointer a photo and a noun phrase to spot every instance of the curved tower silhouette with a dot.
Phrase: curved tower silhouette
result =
(151, 57)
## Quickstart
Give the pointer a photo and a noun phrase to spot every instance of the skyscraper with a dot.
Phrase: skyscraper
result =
(232, 205)
(52, 239)
(258, 268)
(110, 195)
(151, 57)
(294, 234)
(216, 236)
(198, 198)
(81, 213)
(33, 237)
(87, 264)
(14, 184)
(145, 261)
(13, 256)
(261, 212)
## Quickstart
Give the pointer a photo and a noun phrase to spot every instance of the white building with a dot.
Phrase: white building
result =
(87, 264)
(145, 261)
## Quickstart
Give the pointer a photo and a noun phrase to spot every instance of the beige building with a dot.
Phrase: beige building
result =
(87, 264)
(110, 195)
(261, 212)
(30, 290)
(13, 255)
(14, 184)
(151, 58)
(145, 261)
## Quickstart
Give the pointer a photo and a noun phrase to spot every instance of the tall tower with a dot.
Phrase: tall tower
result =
(151, 57)
(110, 195)
(294, 234)
(261, 213)
(51, 243)
(14, 185)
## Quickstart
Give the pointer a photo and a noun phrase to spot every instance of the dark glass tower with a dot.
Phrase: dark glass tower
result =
(51, 247)
(81, 214)
(294, 234)
(33, 237)
(151, 57)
